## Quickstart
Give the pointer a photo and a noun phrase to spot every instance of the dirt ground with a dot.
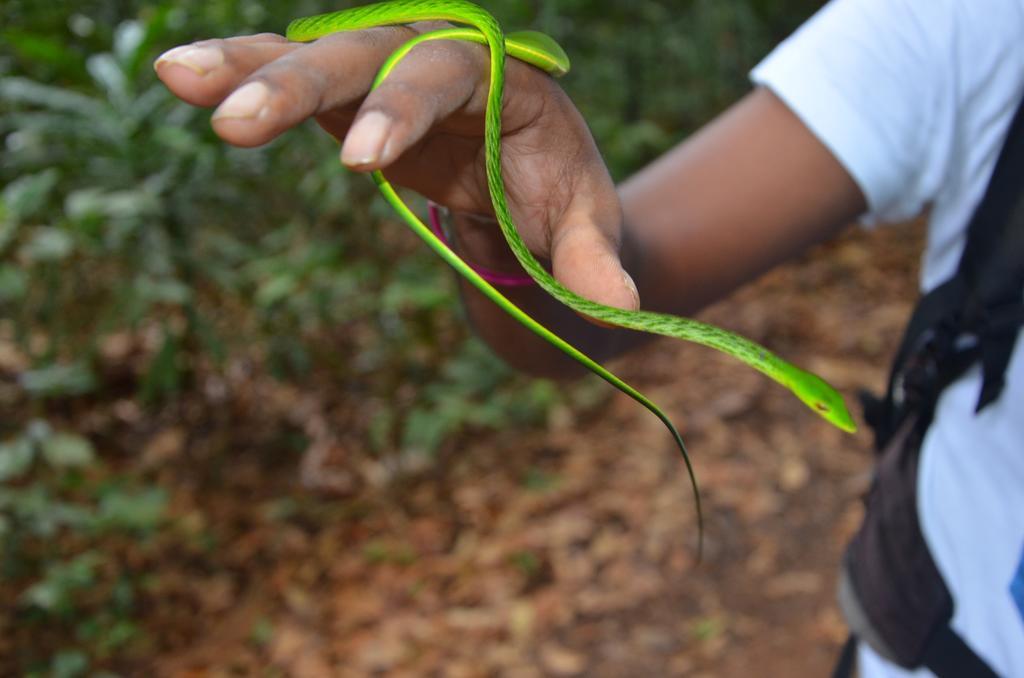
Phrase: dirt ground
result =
(562, 551)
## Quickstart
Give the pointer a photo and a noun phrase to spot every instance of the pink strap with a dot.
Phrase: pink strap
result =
(493, 277)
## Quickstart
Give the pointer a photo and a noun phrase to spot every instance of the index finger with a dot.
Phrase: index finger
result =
(264, 86)
(202, 73)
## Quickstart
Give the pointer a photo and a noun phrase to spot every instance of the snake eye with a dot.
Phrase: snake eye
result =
(822, 407)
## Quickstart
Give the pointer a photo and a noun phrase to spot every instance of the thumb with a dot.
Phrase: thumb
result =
(585, 259)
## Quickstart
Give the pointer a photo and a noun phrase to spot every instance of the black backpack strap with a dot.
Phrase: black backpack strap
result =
(948, 656)
(993, 264)
(847, 659)
(899, 603)
(975, 316)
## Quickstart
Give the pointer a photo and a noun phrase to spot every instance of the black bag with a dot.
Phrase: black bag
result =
(890, 590)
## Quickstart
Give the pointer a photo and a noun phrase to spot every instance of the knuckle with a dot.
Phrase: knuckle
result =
(531, 78)
(382, 37)
(219, 43)
(292, 72)
(268, 37)
(400, 98)
(465, 59)
(430, 26)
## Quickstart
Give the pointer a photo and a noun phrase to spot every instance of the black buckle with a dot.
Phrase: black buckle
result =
(917, 380)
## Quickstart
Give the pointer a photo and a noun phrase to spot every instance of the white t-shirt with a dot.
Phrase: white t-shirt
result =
(914, 98)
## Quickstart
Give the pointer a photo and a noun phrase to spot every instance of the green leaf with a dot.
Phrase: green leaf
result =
(69, 664)
(107, 73)
(81, 25)
(60, 583)
(164, 375)
(58, 380)
(37, 431)
(262, 632)
(25, 197)
(116, 635)
(128, 38)
(15, 458)
(424, 431)
(65, 450)
(381, 425)
(39, 48)
(276, 289)
(136, 511)
(708, 628)
(47, 245)
(163, 291)
(211, 340)
(84, 204)
(89, 203)
(35, 511)
(539, 480)
(16, 90)
(13, 284)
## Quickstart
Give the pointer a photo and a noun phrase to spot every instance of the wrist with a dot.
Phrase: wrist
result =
(478, 240)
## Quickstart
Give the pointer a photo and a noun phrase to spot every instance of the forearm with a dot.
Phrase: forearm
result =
(750, 190)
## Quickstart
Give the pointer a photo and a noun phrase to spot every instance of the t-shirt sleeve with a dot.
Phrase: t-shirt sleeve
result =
(868, 78)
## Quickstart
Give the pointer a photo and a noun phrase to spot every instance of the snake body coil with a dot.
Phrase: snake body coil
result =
(544, 53)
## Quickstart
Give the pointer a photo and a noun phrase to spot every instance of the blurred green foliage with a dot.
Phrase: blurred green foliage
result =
(121, 213)
(59, 512)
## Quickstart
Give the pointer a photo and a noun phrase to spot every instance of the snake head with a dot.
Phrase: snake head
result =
(824, 400)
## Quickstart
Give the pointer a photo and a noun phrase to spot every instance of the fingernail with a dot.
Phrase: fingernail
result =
(248, 101)
(365, 141)
(170, 55)
(199, 60)
(631, 286)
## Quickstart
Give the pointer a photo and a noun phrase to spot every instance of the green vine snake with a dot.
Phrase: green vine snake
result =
(543, 52)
